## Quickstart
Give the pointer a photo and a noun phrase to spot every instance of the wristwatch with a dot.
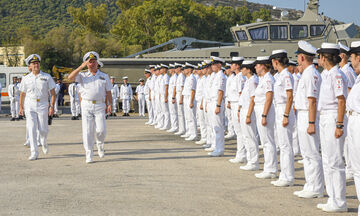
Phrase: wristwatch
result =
(263, 115)
(340, 126)
(217, 105)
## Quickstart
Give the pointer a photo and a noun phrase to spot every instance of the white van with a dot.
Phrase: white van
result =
(6, 76)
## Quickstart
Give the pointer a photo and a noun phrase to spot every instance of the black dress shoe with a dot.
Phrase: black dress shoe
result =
(127, 114)
(73, 118)
(21, 117)
(114, 114)
(12, 119)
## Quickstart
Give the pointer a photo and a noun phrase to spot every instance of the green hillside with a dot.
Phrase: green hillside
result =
(43, 15)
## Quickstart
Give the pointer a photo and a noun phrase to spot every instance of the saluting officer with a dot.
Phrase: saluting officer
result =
(332, 106)
(126, 95)
(95, 90)
(307, 123)
(115, 95)
(353, 106)
(36, 87)
(13, 91)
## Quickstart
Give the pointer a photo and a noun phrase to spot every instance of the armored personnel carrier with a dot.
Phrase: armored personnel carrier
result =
(250, 41)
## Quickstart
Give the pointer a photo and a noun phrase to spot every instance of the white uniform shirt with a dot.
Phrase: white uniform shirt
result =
(350, 74)
(157, 85)
(284, 81)
(218, 83)
(172, 84)
(147, 87)
(126, 92)
(309, 86)
(189, 85)
(93, 87)
(228, 80)
(296, 79)
(74, 91)
(140, 89)
(200, 89)
(248, 91)
(164, 82)
(266, 84)
(333, 85)
(37, 90)
(115, 91)
(14, 91)
(353, 100)
(180, 81)
(207, 86)
(57, 89)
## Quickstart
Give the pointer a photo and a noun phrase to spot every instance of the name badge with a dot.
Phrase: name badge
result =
(43, 79)
(102, 78)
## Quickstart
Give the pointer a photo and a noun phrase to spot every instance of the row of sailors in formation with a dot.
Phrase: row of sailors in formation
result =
(296, 109)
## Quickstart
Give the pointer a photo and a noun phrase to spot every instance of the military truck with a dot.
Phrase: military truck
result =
(250, 41)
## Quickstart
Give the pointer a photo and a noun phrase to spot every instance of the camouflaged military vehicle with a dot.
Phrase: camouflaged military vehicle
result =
(250, 41)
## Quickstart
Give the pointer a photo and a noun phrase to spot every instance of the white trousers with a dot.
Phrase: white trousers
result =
(228, 121)
(309, 146)
(75, 107)
(348, 167)
(332, 150)
(190, 117)
(353, 137)
(284, 138)
(153, 106)
(126, 105)
(159, 114)
(115, 102)
(56, 109)
(37, 121)
(249, 137)
(241, 151)
(201, 118)
(181, 114)
(149, 108)
(93, 124)
(266, 134)
(141, 101)
(14, 108)
(210, 136)
(173, 114)
(295, 141)
(165, 113)
(217, 122)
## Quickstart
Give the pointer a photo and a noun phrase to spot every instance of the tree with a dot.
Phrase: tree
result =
(262, 14)
(91, 19)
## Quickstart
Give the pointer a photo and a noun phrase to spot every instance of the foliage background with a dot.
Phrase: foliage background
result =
(63, 31)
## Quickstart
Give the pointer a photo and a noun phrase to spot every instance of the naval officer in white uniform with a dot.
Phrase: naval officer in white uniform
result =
(306, 98)
(147, 90)
(331, 107)
(13, 91)
(115, 95)
(353, 107)
(36, 87)
(265, 116)
(284, 117)
(96, 102)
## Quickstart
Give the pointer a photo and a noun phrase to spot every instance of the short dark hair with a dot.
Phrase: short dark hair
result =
(331, 58)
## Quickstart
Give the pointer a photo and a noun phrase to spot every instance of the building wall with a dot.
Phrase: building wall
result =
(12, 56)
